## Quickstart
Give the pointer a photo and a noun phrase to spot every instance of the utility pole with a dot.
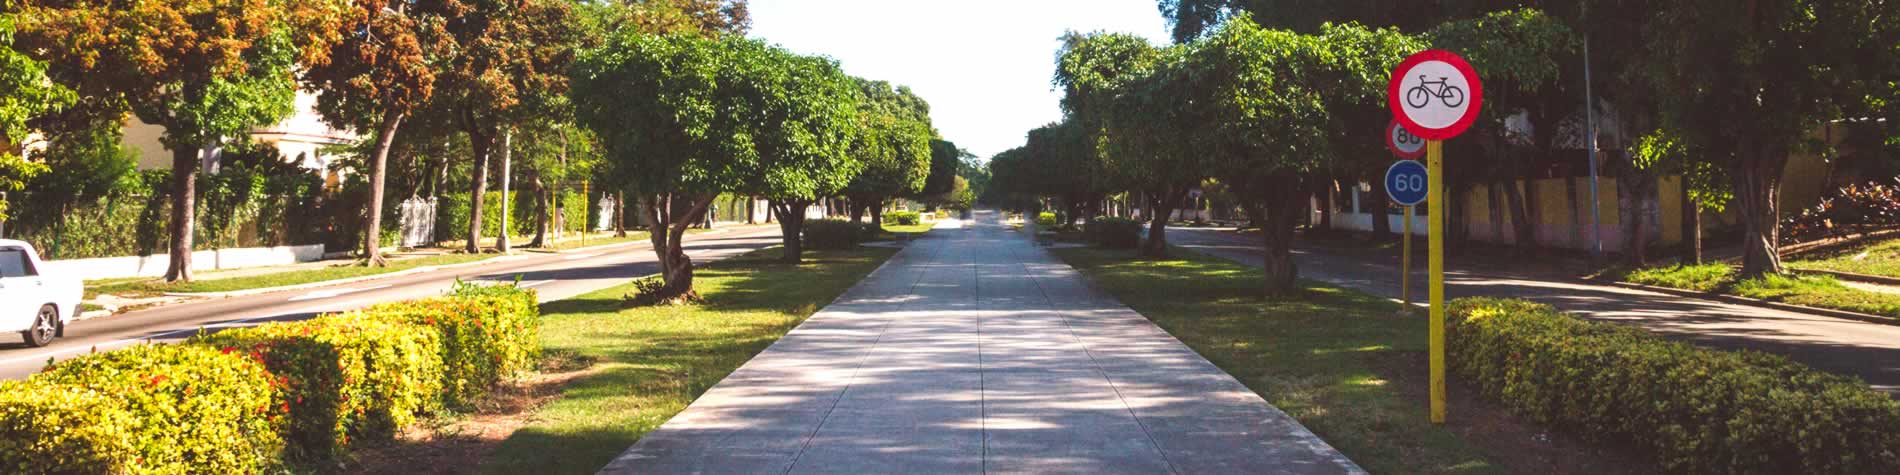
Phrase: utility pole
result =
(507, 155)
(1590, 117)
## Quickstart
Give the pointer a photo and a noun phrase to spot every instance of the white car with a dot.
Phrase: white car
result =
(32, 302)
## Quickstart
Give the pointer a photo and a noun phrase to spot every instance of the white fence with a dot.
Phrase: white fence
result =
(418, 222)
(154, 265)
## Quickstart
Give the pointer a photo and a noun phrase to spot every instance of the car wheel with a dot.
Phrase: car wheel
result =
(45, 324)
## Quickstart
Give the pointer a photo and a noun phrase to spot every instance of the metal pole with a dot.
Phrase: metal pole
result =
(585, 215)
(1405, 266)
(1590, 114)
(507, 157)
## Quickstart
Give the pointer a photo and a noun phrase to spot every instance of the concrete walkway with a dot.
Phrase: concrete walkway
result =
(973, 351)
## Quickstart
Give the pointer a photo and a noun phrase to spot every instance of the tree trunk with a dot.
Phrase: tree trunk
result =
(480, 145)
(620, 216)
(1283, 206)
(751, 210)
(1757, 179)
(791, 223)
(877, 211)
(1521, 229)
(1162, 204)
(543, 211)
(184, 187)
(857, 210)
(1691, 227)
(672, 215)
(378, 167)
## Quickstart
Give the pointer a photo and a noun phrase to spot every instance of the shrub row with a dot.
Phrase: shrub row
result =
(1046, 219)
(905, 218)
(1113, 233)
(250, 400)
(838, 233)
(1694, 409)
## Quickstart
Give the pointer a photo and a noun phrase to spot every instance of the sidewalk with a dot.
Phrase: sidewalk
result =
(973, 351)
(1868, 350)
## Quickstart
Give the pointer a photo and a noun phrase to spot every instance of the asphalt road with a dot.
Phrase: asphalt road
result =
(1868, 350)
(554, 275)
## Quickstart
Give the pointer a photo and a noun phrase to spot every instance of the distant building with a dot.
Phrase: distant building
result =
(300, 138)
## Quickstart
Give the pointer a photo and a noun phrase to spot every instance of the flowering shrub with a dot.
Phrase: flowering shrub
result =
(143, 409)
(1696, 410)
(346, 377)
(1851, 209)
(486, 333)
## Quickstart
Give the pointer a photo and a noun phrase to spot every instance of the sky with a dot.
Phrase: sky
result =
(984, 65)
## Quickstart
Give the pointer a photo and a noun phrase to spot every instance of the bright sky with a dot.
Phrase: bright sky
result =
(984, 65)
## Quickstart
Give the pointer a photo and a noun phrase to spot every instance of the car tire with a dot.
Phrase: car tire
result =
(45, 326)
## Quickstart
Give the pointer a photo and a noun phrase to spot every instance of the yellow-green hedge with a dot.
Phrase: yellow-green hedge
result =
(351, 376)
(488, 333)
(143, 409)
(1695, 409)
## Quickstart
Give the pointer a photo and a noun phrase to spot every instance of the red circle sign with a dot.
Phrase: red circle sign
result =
(1435, 94)
(1402, 143)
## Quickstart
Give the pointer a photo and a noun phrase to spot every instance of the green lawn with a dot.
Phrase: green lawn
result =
(210, 283)
(908, 228)
(1808, 290)
(1328, 357)
(1876, 258)
(651, 362)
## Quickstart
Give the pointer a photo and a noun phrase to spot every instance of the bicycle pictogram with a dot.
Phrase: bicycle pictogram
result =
(1421, 95)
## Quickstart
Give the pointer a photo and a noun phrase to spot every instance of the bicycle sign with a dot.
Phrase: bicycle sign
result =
(1402, 143)
(1435, 94)
(1405, 182)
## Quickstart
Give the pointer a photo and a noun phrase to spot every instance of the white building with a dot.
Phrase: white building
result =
(300, 138)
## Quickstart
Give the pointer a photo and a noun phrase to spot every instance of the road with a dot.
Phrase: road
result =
(554, 275)
(1868, 350)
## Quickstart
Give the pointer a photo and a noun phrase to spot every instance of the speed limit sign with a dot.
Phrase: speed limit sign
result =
(1402, 143)
(1405, 182)
(1435, 94)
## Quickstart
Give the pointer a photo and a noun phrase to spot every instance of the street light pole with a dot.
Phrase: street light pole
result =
(1590, 114)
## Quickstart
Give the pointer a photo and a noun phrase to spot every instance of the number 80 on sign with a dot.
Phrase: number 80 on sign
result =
(1405, 182)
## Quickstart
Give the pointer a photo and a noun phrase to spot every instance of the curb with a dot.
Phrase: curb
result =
(400, 273)
(1748, 302)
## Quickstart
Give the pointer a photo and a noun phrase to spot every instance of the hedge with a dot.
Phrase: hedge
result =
(837, 233)
(905, 218)
(347, 376)
(1045, 219)
(1693, 409)
(1114, 233)
(218, 402)
(487, 333)
(144, 408)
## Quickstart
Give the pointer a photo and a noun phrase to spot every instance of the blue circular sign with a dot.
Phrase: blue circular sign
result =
(1405, 182)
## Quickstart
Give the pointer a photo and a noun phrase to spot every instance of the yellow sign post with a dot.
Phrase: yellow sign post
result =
(1435, 194)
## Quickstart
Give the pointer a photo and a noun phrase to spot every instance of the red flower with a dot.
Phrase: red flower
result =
(227, 350)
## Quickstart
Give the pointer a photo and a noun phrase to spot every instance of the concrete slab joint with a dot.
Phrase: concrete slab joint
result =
(978, 352)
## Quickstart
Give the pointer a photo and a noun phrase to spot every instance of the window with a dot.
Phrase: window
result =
(13, 263)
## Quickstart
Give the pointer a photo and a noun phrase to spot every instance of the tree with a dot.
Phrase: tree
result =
(1110, 86)
(709, 18)
(1748, 83)
(686, 118)
(1262, 122)
(1064, 163)
(204, 70)
(946, 161)
(27, 93)
(894, 145)
(380, 72)
(508, 65)
(1516, 52)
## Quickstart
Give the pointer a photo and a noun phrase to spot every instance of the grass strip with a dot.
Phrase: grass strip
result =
(1880, 258)
(1818, 291)
(1325, 357)
(144, 287)
(918, 228)
(651, 362)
